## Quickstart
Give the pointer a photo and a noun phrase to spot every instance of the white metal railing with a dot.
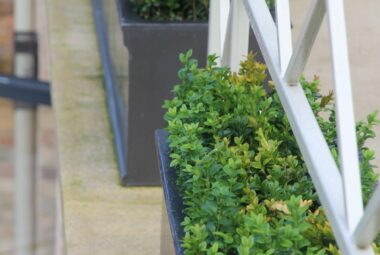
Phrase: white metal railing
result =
(25, 121)
(339, 191)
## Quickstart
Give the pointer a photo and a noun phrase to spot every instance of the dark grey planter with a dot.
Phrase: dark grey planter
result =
(173, 214)
(153, 49)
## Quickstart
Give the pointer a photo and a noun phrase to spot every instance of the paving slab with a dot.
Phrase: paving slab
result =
(100, 216)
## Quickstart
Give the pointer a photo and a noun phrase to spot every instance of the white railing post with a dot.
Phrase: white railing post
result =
(345, 121)
(308, 34)
(237, 36)
(24, 143)
(218, 18)
(284, 33)
(369, 225)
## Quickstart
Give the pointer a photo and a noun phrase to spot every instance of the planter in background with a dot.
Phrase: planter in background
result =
(153, 49)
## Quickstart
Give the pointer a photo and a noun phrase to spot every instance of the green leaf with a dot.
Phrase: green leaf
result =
(325, 100)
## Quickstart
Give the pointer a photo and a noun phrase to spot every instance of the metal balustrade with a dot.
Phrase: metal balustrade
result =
(339, 190)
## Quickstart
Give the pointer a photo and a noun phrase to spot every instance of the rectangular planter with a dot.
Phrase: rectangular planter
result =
(153, 49)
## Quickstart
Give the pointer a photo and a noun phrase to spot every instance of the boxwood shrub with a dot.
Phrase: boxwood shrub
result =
(175, 10)
(172, 10)
(244, 183)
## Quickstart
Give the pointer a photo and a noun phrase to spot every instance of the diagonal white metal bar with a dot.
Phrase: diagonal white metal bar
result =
(369, 225)
(347, 144)
(237, 36)
(308, 34)
(217, 26)
(284, 33)
(314, 148)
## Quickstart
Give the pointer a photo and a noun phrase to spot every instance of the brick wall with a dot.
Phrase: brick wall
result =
(6, 32)
(6, 45)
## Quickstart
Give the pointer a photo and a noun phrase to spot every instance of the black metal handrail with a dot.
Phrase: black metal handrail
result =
(114, 104)
(25, 90)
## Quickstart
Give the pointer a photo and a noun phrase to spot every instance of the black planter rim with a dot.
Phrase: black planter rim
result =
(173, 200)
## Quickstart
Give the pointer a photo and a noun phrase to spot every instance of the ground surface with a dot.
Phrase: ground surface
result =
(100, 216)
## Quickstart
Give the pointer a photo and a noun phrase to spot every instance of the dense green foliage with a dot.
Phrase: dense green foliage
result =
(172, 10)
(243, 180)
(175, 10)
(270, 3)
